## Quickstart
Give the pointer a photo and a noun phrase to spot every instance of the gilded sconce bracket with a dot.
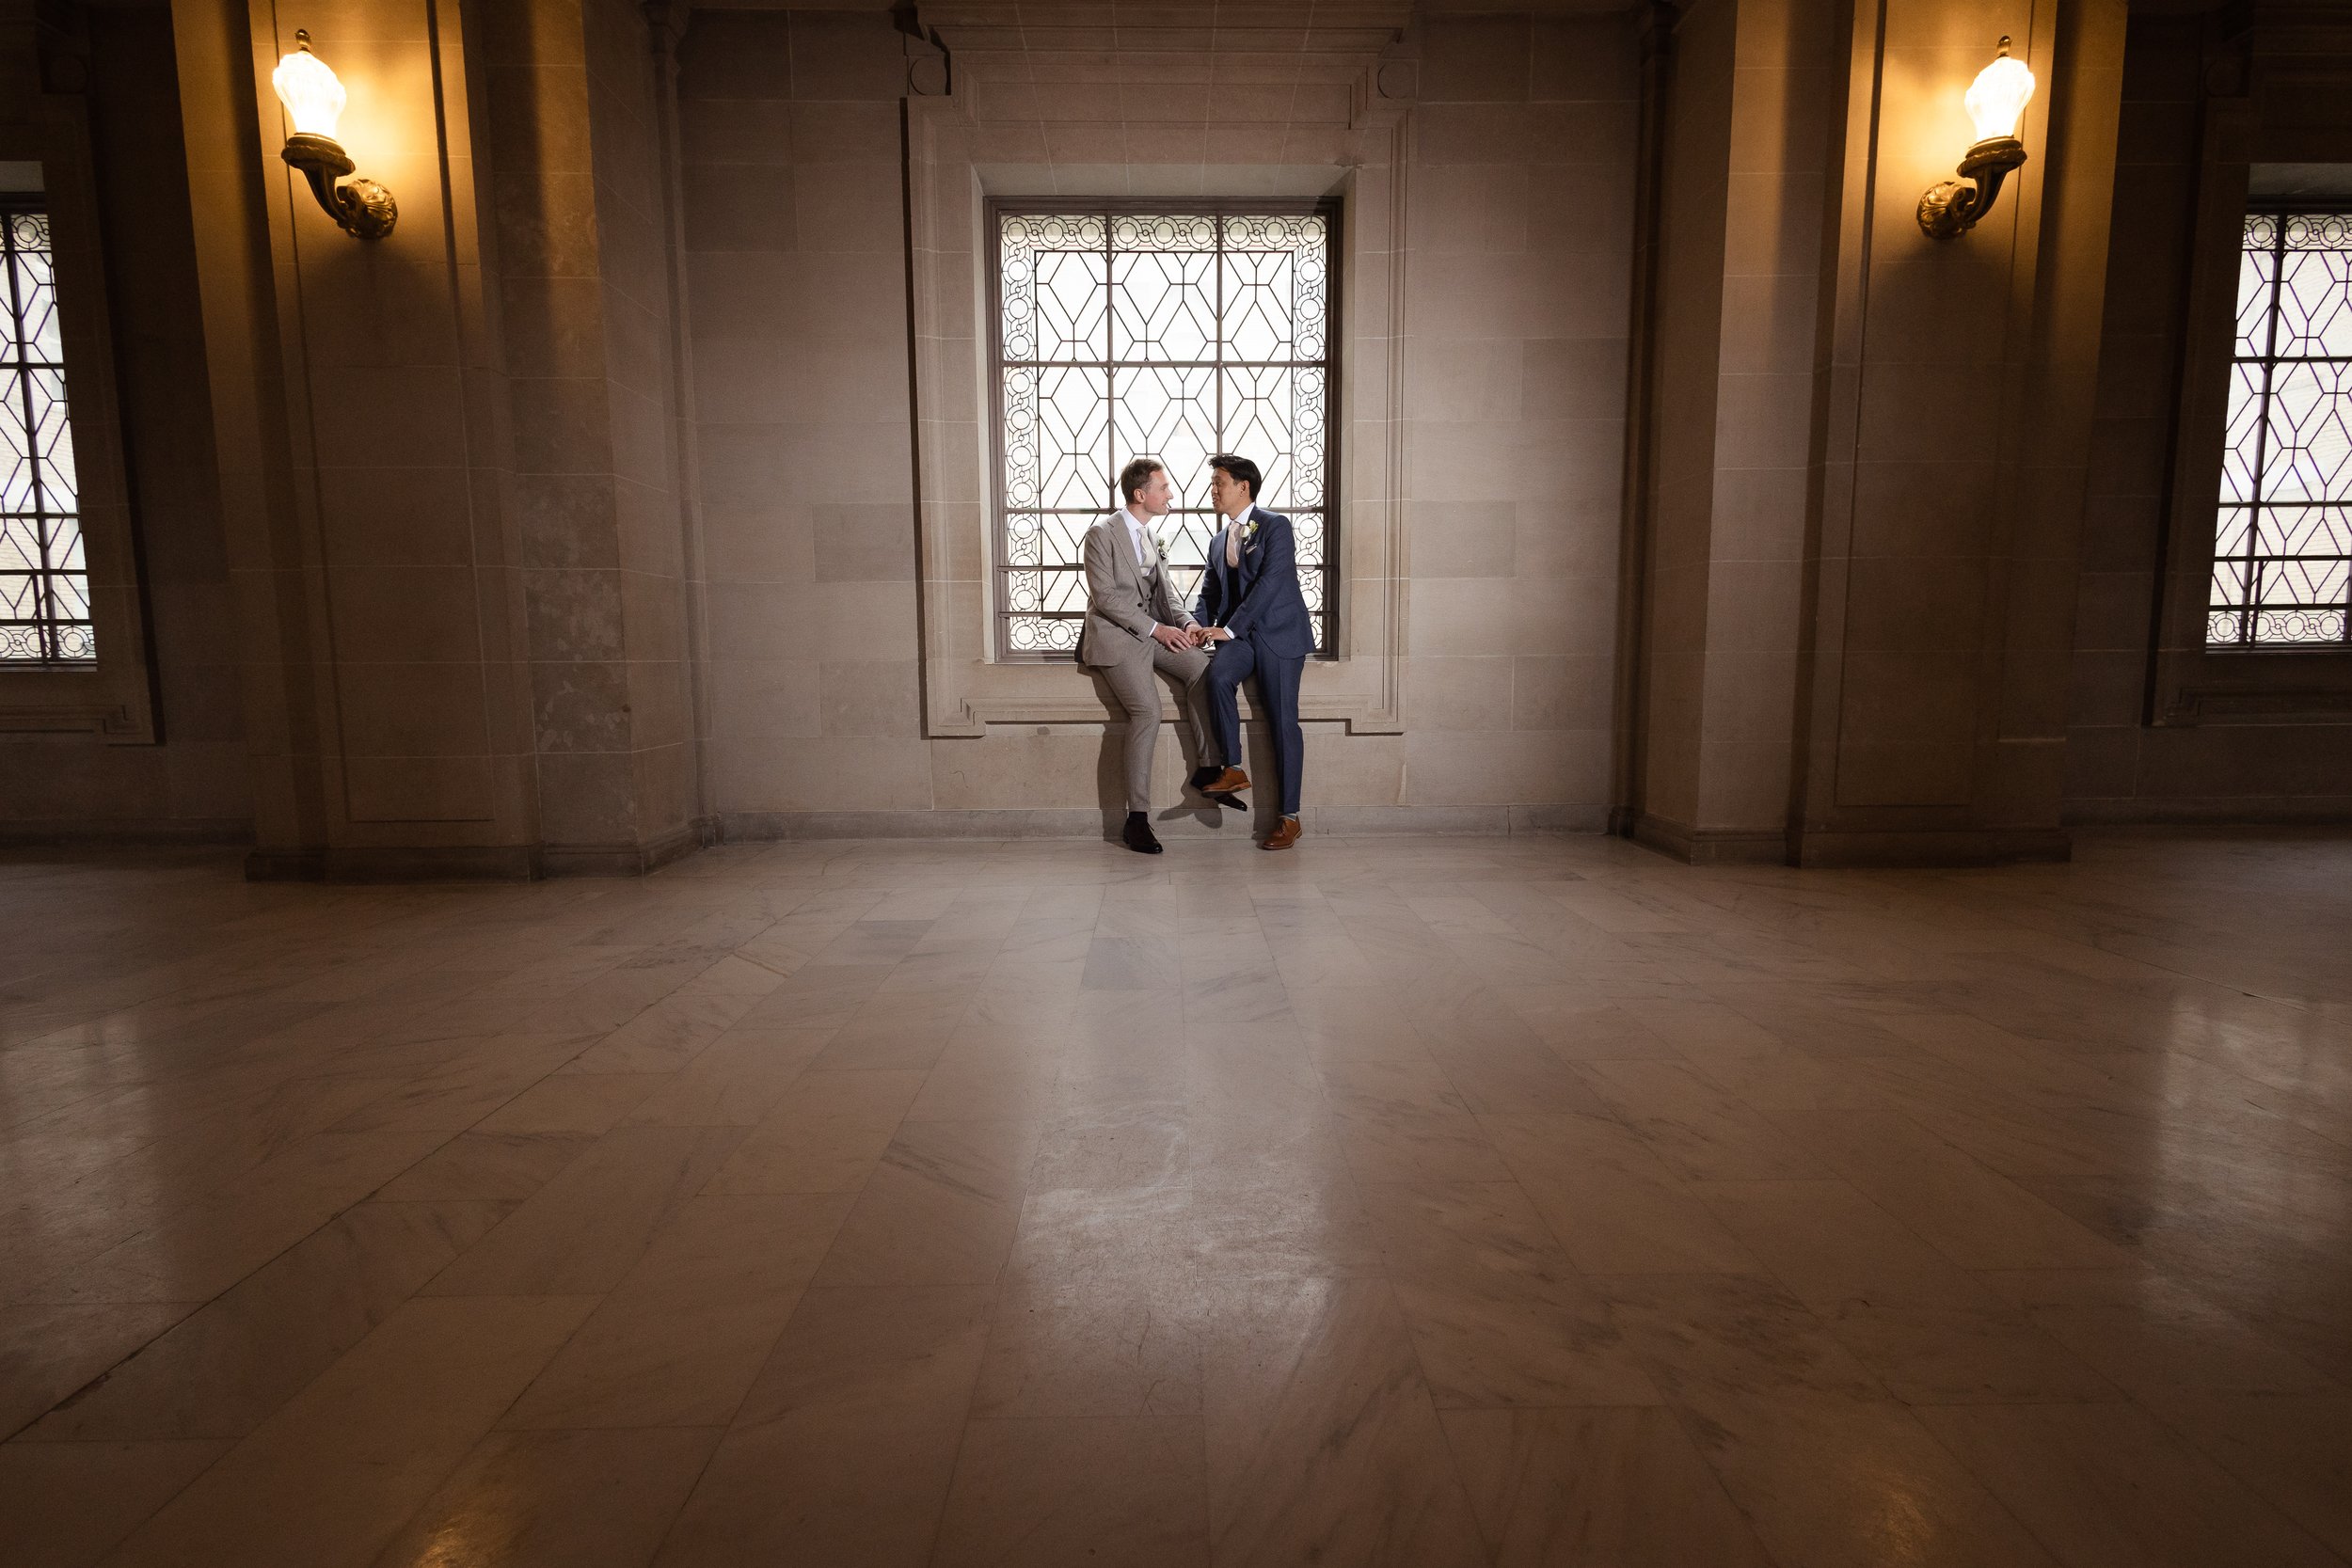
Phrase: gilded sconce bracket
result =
(1951, 207)
(361, 208)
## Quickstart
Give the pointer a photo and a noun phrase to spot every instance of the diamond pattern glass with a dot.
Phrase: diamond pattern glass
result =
(44, 582)
(1173, 335)
(2282, 537)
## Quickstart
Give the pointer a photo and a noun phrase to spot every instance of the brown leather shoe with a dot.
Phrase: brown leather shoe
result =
(1285, 833)
(1226, 783)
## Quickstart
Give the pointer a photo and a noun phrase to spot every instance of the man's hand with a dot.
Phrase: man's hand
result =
(1216, 634)
(1173, 638)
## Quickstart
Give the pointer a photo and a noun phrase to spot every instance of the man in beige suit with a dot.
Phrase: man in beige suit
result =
(1136, 624)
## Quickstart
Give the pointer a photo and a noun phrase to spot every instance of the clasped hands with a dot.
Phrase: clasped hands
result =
(1188, 637)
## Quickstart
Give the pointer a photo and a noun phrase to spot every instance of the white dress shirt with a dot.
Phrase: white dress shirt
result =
(1139, 536)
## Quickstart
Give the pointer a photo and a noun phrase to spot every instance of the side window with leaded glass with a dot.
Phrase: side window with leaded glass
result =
(44, 581)
(2283, 540)
(1166, 334)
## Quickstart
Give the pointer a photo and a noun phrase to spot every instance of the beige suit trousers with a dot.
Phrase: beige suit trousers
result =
(1131, 682)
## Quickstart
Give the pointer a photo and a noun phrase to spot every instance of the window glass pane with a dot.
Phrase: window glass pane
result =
(2315, 309)
(44, 586)
(1172, 335)
(2281, 541)
(1164, 307)
(1074, 436)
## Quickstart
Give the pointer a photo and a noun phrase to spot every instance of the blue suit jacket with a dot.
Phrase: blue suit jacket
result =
(1261, 599)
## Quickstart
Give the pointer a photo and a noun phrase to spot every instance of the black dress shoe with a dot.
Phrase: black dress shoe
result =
(1139, 836)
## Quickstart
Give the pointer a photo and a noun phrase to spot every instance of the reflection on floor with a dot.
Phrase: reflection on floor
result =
(1430, 1202)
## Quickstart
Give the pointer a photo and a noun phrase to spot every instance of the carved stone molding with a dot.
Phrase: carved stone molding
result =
(966, 687)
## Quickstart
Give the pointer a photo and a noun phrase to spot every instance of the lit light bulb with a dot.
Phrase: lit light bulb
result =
(1996, 99)
(312, 97)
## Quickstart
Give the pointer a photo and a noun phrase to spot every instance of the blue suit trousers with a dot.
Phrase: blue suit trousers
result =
(1278, 698)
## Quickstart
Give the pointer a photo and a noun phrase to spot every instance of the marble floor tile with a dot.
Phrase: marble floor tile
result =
(469, 1086)
(1323, 1444)
(863, 1402)
(825, 1135)
(1613, 1203)
(2107, 1484)
(1059, 1492)
(896, 1030)
(585, 1499)
(2149, 1334)
(573, 1102)
(488, 1166)
(1384, 1144)
(193, 1254)
(1931, 1332)
(50, 1350)
(1497, 1313)
(1702, 1133)
(1116, 1347)
(1973, 1216)
(227, 1367)
(1827, 1467)
(66, 1505)
(1424, 1202)
(2292, 1450)
(678, 1339)
(583, 1231)
(1308, 1225)
(941, 1207)
(743, 1076)
(667, 1035)
(1573, 1488)
(329, 1478)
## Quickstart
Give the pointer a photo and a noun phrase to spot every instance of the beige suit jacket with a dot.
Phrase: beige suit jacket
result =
(1121, 608)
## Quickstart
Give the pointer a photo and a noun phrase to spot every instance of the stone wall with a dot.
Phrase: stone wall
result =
(2157, 730)
(1514, 313)
(195, 781)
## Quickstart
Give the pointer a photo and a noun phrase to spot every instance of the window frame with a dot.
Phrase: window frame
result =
(994, 209)
(111, 697)
(2278, 209)
(15, 384)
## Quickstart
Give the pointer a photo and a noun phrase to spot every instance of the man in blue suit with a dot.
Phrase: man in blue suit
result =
(1251, 611)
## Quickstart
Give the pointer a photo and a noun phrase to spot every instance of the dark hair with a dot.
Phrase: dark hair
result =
(1240, 470)
(1138, 474)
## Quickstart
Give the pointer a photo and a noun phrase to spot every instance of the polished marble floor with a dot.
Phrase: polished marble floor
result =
(1529, 1200)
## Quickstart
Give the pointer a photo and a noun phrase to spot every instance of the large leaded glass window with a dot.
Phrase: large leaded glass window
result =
(45, 583)
(2284, 535)
(1167, 334)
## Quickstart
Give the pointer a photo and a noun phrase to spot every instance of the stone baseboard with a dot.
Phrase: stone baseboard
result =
(505, 863)
(460, 863)
(1081, 822)
(1965, 846)
(1709, 846)
(1816, 848)
(628, 860)
(67, 833)
(2221, 811)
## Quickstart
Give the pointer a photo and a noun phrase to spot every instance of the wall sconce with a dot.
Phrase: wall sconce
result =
(314, 101)
(1995, 101)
